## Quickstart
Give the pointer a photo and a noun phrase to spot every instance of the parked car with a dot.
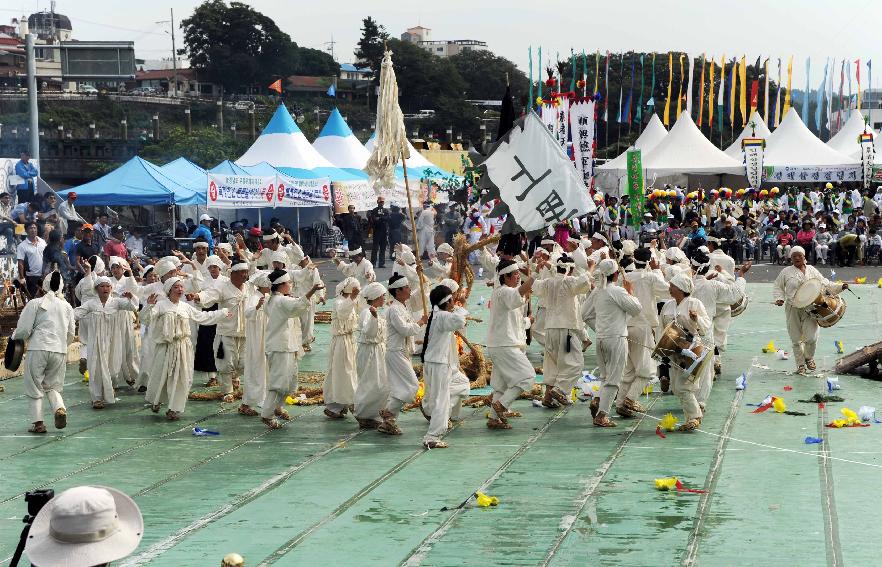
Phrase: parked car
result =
(88, 89)
(244, 105)
(143, 91)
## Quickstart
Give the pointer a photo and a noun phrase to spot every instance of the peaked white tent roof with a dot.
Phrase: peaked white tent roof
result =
(762, 131)
(685, 150)
(846, 140)
(337, 144)
(416, 158)
(793, 145)
(282, 144)
(650, 137)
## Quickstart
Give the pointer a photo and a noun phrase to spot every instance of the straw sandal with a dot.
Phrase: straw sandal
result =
(172, 415)
(332, 414)
(500, 410)
(212, 382)
(247, 410)
(497, 424)
(37, 427)
(367, 423)
(435, 445)
(634, 406)
(282, 414)
(155, 408)
(602, 420)
(624, 411)
(389, 427)
(60, 418)
(690, 425)
(560, 397)
(810, 364)
(594, 406)
(801, 369)
(271, 423)
(98, 404)
(548, 400)
(512, 413)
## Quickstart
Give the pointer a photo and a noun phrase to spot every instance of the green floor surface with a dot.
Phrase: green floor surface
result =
(320, 491)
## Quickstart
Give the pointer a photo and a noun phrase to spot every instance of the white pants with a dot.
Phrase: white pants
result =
(44, 375)
(460, 389)
(821, 251)
(611, 355)
(537, 329)
(436, 399)
(706, 378)
(372, 388)
(685, 389)
(512, 374)
(307, 324)
(403, 384)
(233, 361)
(640, 368)
(562, 366)
(803, 330)
(281, 380)
(427, 242)
(783, 251)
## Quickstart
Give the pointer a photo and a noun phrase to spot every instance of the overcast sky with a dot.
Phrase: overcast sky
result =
(777, 28)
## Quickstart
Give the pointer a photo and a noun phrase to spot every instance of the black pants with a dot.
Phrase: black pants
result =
(379, 244)
(394, 238)
(33, 284)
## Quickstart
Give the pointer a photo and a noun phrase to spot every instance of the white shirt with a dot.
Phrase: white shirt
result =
(135, 246)
(561, 295)
(717, 290)
(613, 305)
(680, 313)
(47, 323)
(400, 328)
(363, 271)
(226, 295)
(506, 325)
(790, 278)
(650, 287)
(439, 346)
(720, 258)
(426, 220)
(282, 328)
(32, 252)
(372, 330)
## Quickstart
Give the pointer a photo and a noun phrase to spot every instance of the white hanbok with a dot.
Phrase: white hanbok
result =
(372, 388)
(105, 345)
(339, 384)
(400, 331)
(283, 347)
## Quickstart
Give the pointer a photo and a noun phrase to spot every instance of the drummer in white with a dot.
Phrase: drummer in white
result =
(801, 326)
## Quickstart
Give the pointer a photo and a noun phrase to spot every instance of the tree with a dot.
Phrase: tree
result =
(206, 147)
(370, 46)
(484, 74)
(236, 46)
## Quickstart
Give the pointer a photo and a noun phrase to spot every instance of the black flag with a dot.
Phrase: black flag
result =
(506, 114)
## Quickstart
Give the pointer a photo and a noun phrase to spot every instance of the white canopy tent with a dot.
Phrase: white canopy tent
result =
(337, 144)
(761, 131)
(846, 140)
(611, 175)
(686, 151)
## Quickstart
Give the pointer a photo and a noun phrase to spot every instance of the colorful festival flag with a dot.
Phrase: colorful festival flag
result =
(857, 65)
(689, 84)
(630, 95)
(667, 115)
(766, 93)
(778, 97)
(754, 95)
(789, 85)
(530, 101)
(701, 94)
(276, 86)
(742, 76)
(651, 101)
(596, 71)
(722, 90)
(841, 84)
(621, 83)
(710, 94)
(805, 95)
(848, 73)
(639, 116)
(830, 97)
(822, 89)
(732, 91)
(680, 90)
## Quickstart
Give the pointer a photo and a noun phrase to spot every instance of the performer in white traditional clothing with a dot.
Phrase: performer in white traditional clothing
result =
(543, 264)
(105, 344)
(690, 314)
(506, 342)
(150, 285)
(437, 357)
(359, 268)
(425, 228)
(649, 287)
(613, 305)
(254, 390)
(305, 275)
(801, 326)
(565, 337)
(714, 290)
(47, 323)
(407, 266)
(124, 281)
(372, 389)
(339, 386)
(440, 265)
(401, 330)
(92, 268)
(171, 369)
(724, 265)
(283, 344)
(460, 387)
(229, 340)
(200, 255)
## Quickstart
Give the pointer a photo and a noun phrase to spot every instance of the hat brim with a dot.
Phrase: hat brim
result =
(43, 549)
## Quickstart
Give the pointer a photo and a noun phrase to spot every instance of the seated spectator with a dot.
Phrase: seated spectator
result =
(874, 244)
(135, 243)
(785, 241)
(822, 242)
(114, 245)
(7, 223)
(85, 526)
(806, 236)
(25, 212)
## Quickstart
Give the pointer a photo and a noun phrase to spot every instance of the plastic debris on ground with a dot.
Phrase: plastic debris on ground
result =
(770, 347)
(851, 419)
(832, 383)
(484, 500)
(200, 432)
(291, 401)
(587, 387)
(813, 440)
(674, 484)
(867, 413)
(840, 349)
(782, 354)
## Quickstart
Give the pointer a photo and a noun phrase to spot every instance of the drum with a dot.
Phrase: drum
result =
(683, 350)
(827, 309)
(13, 355)
(741, 306)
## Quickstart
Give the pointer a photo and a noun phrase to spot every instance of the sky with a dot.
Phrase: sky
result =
(771, 28)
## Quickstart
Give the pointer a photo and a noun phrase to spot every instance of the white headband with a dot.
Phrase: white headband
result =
(400, 282)
(169, 283)
(270, 236)
(444, 300)
(284, 278)
(239, 266)
(508, 269)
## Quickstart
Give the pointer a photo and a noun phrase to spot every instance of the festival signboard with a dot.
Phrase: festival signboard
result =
(251, 191)
(636, 192)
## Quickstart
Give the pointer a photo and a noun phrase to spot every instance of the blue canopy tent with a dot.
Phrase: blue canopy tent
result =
(136, 182)
(189, 175)
(228, 167)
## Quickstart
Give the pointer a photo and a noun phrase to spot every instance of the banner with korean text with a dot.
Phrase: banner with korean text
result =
(246, 191)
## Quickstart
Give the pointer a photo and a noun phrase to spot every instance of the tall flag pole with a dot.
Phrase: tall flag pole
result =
(789, 86)
(597, 71)
(680, 90)
(639, 116)
(606, 102)
(584, 74)
(701, 95)
(710, 97)
(530, 101)
(766, 93)
(805, 99)
(667, 119)
(539, 74)
(742, 76)
(822, 90)
(621, 83)
(721, 94)
(630, 97)
(573, 71)
(732, 91)
(841, 84)
(778, 97)
(857, 65)
(651, 101)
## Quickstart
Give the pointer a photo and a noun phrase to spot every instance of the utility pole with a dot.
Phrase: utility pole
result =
(32, 93)
(173, 90)
(330, 47)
